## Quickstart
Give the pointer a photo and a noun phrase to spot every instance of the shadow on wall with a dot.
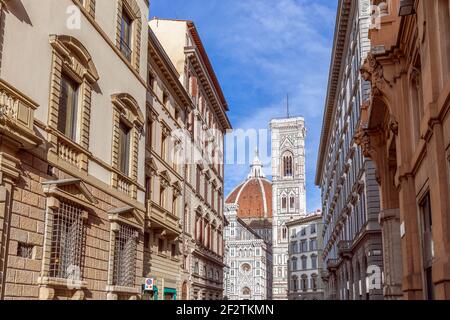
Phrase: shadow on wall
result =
(16, 8)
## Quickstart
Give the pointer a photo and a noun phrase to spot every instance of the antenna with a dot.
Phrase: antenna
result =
(287, 105)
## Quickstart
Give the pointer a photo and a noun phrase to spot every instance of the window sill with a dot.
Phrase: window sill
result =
(60, 282)
(125, 290)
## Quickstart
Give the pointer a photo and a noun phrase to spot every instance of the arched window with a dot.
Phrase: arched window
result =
(294, 264)
(314, 282)
(314, 262)
(284, 233)
(288, 165)
(284, 203)
(304, 263)
(304, 283)
(294, 283)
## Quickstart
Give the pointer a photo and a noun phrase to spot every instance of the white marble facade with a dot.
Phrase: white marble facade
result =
(288, 192)
(248, 260)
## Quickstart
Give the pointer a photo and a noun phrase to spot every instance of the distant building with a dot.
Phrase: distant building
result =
(289, 192)
(305, 258)
(248, 259)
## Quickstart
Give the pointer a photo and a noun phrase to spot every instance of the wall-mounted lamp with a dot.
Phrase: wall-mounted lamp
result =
(406, 8)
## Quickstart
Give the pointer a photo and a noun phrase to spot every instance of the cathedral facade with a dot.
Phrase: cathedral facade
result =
(258, 210)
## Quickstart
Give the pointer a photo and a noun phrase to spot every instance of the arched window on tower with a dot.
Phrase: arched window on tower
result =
(288, 165)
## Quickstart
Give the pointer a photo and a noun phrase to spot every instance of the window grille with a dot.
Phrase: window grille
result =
(67, 241)
(125, 257)
(25, 251)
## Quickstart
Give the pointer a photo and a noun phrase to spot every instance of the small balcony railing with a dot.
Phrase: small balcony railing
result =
(17, 116)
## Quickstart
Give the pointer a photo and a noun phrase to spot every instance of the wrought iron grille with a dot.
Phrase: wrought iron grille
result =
(125, 256)
(67, 241)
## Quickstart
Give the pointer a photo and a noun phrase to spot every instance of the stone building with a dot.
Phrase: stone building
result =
(305, 258)
(405, 129)
(72, 153)
(167, 107)
(248, 258)
(352, 251)
(202, 140)
(288, 193)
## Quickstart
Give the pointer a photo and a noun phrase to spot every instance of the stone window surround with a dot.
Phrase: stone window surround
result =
(89, 6)
(133, 10)
(116, 218)
(126, 110)
(66, 50)
(55, 194)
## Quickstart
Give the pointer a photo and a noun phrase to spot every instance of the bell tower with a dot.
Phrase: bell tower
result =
(288, 192)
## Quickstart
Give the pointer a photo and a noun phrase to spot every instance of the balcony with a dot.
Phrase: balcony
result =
(164, 220)
(333, 264)
(17, 117)
(345, 249)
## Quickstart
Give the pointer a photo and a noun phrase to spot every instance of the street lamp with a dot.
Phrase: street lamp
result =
(406, 8)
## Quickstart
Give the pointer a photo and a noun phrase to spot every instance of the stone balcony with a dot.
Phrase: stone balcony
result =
(17, 117)
(345, 249)
(333, 264)
(163, 220)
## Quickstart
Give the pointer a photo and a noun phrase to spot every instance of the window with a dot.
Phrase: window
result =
(287, 165)
(151, 80)
(160, 245)
(162, 195)
(304, 263)
(304, 283)
(173, 250)
(304, 246)
(164, 141)
(165, 99)
(313, 228)
(258, 252)
(246, 291)
(67, 240)
(246, 267)
(291, 203)
(284, 233)
(148, 188)
(303, 231)
(314, 262)
(313, 245)
(428, 244)
(124, 271)
(124, 148)
(314, 282)
(283, 203)
(294, 264)
(175, 204)
(126, 33)
(295, 283)
(68, 108)
(196, 268)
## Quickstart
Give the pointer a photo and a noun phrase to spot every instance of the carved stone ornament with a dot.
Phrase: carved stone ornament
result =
(372, 71)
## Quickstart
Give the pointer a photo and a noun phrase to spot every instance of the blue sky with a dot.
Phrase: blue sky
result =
(261, 50)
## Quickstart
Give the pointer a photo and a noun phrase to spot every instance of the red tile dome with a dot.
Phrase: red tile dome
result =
(254, 196)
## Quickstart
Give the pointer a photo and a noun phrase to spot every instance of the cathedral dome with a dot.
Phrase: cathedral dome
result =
(254, 195)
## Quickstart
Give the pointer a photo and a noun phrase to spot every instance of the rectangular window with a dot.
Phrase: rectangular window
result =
(160, 245)
(124, 272)
(67, 240)
(162, 196)
(148, 188)
(124, 148)
(173, 250)
(164, 147)
(428, 244)
(126, 32)
(68, 108)
(147, 240)
(149, 133)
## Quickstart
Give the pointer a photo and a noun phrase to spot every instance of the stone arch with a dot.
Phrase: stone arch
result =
(185, 291)
(71, 46)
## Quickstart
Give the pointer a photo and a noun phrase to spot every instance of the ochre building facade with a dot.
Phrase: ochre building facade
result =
(405, 129)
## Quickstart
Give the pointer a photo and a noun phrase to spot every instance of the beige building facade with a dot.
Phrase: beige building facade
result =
(72, 206)
(203, 220)
(405, 129)
(95, 195)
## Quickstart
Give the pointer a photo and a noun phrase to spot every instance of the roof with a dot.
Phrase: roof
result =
(254, 197)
